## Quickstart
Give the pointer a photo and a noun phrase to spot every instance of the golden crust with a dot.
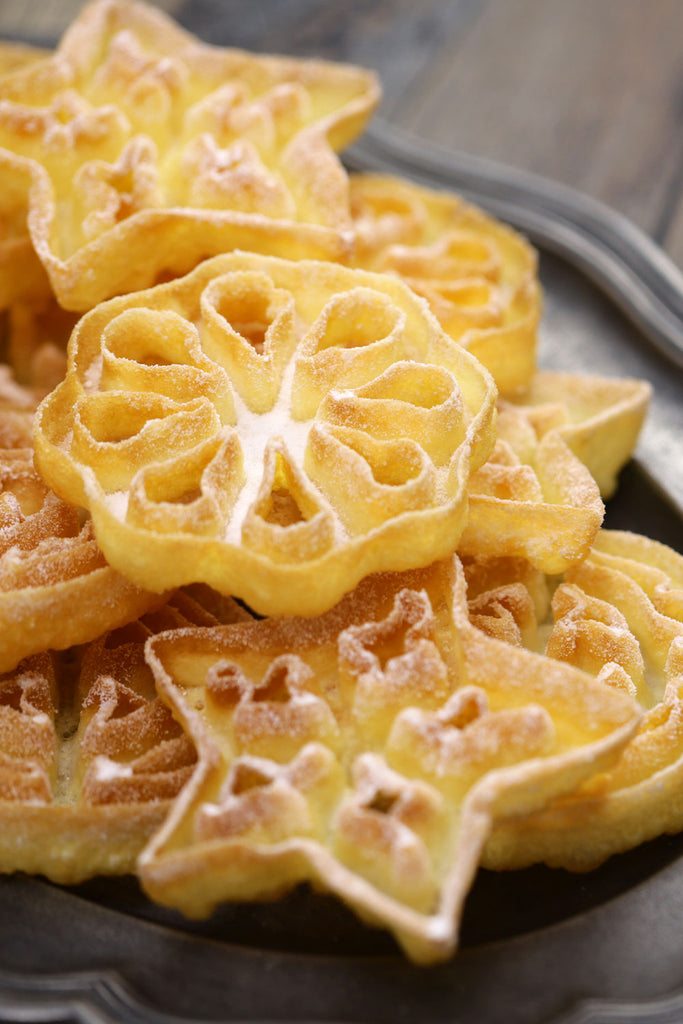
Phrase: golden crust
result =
(17, 407)
(87, 766)
(134, 137)
(367, 751)
(478, 275)
(90, 758)
(34, 346)
(561, 443)
(15, 55)
(22, 276)
(618, 616)
(276, 429)
(533, 499)
(56, 589)
(599, 418)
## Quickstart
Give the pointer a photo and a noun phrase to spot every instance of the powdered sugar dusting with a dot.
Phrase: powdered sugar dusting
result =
(256, 431)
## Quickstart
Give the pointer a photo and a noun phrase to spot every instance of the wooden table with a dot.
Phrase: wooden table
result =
(587, 92)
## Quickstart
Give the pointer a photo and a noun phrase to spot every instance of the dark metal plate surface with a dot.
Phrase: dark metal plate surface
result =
(538, 946)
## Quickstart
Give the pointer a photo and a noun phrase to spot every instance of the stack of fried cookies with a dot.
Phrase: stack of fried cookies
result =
(302, 573)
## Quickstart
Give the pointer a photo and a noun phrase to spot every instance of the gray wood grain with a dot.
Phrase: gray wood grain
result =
(588, 92)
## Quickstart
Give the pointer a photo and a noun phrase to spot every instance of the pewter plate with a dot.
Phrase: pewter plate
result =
(538, 946)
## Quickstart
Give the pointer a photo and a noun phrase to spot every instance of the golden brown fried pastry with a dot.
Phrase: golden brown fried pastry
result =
(618, 616)
(88, 766)
(533, 499)
(479, 276)
(17, 406)
(146, 150)
(367, 751)
(599, 418)
(22, 276)
(15, 55)
(56, 589)
(560, 444)
(489, 575)
(34, 346)
(275, 429)
(90, 758)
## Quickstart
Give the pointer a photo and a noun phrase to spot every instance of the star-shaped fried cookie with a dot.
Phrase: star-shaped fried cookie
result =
(367, 751)
(136, 138)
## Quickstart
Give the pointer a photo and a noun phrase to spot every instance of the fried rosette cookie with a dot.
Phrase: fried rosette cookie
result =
(560, 445)
(618, 615)
(22, 275)
(23, 278)
(14, 56)
(138, 150)
(17, 407)
(56, 589)
(85, 777)
(533, 499)
(599, 418)
(276, 429)
(508, 599)
(90, 758)
(367, 751)
(34, 343)
(478, 275)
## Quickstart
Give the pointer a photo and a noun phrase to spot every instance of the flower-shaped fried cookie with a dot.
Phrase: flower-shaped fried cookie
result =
(559, 444)
(599, 418)
(90, 758)
(367, 751)
(532, 499)
(55, 587)
(139, 150)
(478, 275)
(87, 765)
(618, 616)
(22, 276)
(14, 56)
(17, 407)
(275, 429)
(34, 345)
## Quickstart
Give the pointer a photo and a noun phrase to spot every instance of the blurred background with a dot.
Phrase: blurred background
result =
(587, 92)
